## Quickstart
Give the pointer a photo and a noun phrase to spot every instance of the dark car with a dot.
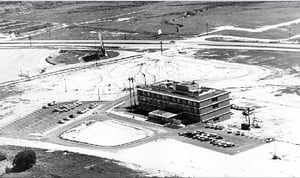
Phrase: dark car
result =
(237, 133)
(219, 137)
(45, 107)
(61, 121)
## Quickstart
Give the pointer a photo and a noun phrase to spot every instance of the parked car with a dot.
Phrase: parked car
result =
(52, 103)
(61, 121)
(237, 133)
(229, 131)
(93, 105)
(268, 140)
(56, 110)
(82, 111)
(204, 138)
(189, 134)
(66, 119)
(45, 107)
(200, 131)
(181, 134)
(78, 103)
(219, 137)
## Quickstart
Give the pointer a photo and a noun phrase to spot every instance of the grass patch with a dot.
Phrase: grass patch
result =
(147, 18)
(72, 57)
(68, 164)
(277, 59)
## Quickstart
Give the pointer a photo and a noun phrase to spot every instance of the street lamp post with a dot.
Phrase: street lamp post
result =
(30, 40)
(65, 85)
(130, 93)
(49, 34)
(133, 94)
(161, 47)
(145, 79)
(98, 94)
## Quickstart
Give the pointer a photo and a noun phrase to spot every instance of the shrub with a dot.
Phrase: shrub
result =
(24, 160)
(2, 157)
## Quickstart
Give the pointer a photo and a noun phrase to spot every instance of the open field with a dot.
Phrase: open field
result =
(278, 59)
(146, 18)
(26, 61)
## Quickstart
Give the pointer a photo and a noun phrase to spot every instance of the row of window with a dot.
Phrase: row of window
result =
(172, 99)
(161, 103)
(169, 98)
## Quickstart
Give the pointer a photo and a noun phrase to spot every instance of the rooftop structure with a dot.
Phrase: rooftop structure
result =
(187, 98)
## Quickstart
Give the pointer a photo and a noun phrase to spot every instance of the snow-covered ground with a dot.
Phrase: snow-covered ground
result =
(106, 133)
(25, 61)
(250, 85)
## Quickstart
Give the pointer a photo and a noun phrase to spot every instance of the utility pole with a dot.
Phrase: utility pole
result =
(274, 148)
(65, 85)
(49, 34)
(159, 32)
(290, 32)
(206, 28)
(161, 47)
(125, 35)
(130, 93)
(98, 94)
(30, 40)
(145, 79)
(133, 94)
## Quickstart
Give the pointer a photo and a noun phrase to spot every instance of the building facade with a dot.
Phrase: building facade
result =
(187, 99)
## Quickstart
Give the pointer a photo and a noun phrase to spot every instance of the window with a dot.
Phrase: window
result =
(181, 101)
(192, 110)
(159, 97)
(215, 106)
(214, 99)
(174, 100)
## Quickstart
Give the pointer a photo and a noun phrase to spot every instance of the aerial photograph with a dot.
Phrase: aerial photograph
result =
(113, 89)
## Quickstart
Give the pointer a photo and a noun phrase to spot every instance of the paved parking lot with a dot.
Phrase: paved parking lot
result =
(242, 140)
(49, 116)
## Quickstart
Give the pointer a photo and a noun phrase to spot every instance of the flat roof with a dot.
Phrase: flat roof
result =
(161, 113)
(167, 87)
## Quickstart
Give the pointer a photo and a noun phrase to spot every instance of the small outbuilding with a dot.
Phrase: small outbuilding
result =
(162, 115)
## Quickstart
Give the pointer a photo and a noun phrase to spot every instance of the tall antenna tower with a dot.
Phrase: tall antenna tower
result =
(101, 43)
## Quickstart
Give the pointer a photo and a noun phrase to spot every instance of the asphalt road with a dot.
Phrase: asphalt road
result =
(153, 44)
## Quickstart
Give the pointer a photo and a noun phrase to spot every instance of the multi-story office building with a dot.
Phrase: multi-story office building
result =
(186, 99)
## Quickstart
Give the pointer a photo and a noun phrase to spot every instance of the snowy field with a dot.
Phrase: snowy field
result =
(106, 133)
(249, 85)
(25, 61)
